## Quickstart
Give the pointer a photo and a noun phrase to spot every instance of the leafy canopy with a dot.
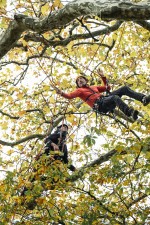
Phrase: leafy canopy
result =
(110, 185)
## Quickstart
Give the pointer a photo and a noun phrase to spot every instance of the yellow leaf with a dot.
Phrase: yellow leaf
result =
(20, 95)
(46, 87)
(52, 100)
(17, 67)
(71, 118)
(126, 183)
(40, 48)
(46, 36)
(147, 155)
(9, 152)
(41, 200)
(4, 21)
(45, 9)
(4, 125)
(9, 98)
(56, 178)
(24, 43)
(16, 199)
(39, 130)
(119, 148)
(69, 47)
(58, 4)
(133, 54)
(2, 3)
(21, 113)
(20, 147)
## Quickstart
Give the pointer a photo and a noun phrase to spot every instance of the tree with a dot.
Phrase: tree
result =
(44, 45)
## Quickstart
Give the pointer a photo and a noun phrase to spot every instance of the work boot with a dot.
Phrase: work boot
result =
(146, 100)
(133, 113)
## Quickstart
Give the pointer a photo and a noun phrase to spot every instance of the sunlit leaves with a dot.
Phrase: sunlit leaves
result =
(89, 140)
(29, 105)
(2, 3)
(45, 9)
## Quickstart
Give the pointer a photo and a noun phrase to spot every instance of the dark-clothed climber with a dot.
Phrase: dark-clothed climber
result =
(55, 143)
(94, 97)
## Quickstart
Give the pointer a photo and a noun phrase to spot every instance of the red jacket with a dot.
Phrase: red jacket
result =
(88, 94)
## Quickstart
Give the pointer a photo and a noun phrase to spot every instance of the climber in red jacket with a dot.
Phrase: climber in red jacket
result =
(95, 98)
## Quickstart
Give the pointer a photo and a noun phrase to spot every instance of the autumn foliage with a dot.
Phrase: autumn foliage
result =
(111, 153)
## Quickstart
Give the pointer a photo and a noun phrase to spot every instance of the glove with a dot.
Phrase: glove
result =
(72, 168)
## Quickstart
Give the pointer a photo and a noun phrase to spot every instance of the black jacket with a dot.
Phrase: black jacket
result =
(59, 138)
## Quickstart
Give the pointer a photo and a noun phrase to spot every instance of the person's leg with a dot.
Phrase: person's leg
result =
(146, 100)
(109, 103)
(125, 90)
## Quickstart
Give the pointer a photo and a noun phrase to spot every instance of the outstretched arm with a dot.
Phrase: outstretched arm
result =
(101, 74)
(71, 95)
(104, 79)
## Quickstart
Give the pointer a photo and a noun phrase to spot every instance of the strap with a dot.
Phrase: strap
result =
(93, 93)
(89, 97)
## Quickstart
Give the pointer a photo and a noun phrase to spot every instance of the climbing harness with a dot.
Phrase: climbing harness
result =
(96, 108)
(93, 93)
(98, 103)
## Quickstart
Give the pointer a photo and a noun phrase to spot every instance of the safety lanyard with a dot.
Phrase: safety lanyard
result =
(93, 93)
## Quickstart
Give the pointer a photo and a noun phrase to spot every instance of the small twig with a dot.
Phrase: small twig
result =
(83, 25)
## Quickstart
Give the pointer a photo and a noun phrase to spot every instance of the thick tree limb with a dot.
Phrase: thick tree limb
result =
(64, 42)
(144, 24)
(104, 158)
(107, 10)
(99, 161)
(10, 36)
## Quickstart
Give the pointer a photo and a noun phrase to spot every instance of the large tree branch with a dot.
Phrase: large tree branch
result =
(144, 24)
(104, 158)
(98, 161)
(66, 41)
(107, 10)
(10, 36)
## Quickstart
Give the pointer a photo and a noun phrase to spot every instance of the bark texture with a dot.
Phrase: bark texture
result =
(106, 9)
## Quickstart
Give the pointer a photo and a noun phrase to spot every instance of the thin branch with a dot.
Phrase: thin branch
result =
(91, 43)
(137, 200)
(30, 137)
(26, 111)
(83, 25)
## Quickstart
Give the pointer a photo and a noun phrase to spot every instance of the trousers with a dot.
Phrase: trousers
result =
(108, 103)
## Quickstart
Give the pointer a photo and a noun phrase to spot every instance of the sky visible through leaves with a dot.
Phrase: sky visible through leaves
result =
(111, 154)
